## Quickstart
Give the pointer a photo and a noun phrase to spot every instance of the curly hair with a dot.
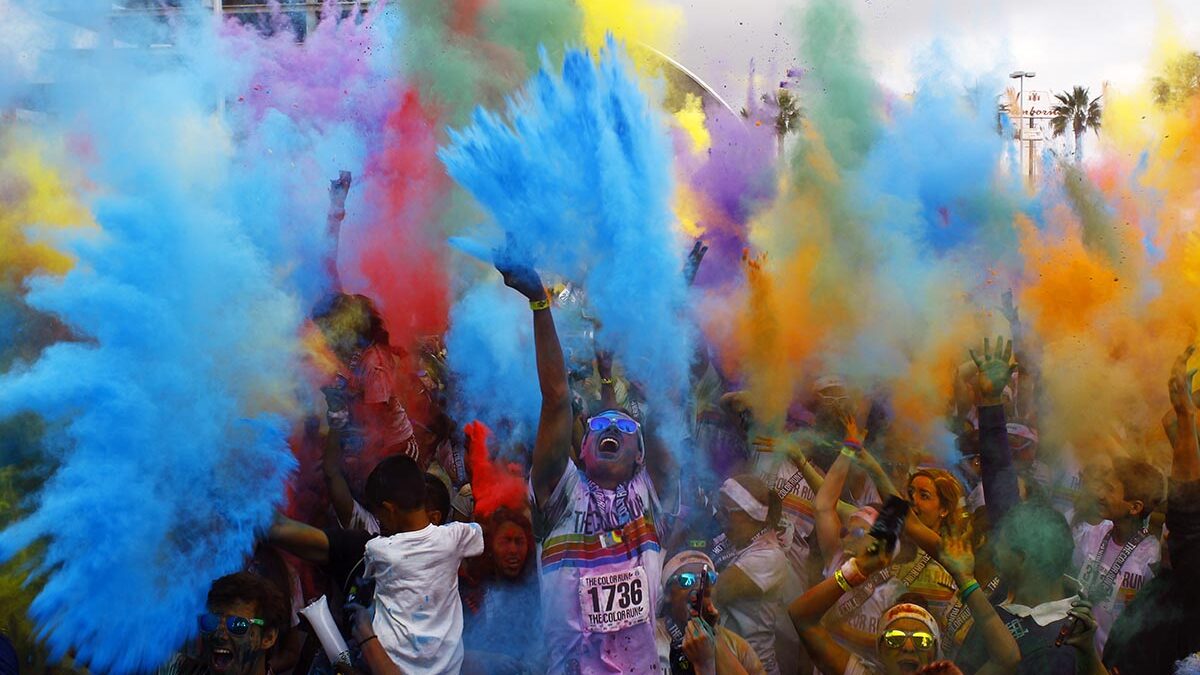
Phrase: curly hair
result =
(250, 588)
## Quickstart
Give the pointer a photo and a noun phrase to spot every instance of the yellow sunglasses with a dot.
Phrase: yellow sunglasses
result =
(895, 639)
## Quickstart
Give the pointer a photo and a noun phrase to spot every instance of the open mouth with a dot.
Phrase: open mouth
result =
(909, 665)
(609, 446)
(222, 658)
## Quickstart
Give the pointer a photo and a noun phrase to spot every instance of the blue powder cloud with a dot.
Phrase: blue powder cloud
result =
(170, 411)
(577, 170)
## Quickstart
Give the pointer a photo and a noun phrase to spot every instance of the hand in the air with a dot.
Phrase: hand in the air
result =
(956, 556)
(1180, 384)
(994, 371)
(517, 273)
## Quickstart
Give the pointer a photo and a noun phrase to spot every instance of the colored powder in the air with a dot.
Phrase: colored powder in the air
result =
(728, 185)
(168, 421)
(494, 483)
(691, 118)
(391, 241)
(489, 350)
(586, 143)
(839, 93)
(631, 21)
(37, 201)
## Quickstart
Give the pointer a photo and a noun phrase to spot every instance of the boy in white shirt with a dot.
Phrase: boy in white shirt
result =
(1116, 557)
(418, 612)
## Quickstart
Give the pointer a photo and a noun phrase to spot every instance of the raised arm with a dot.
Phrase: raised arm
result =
(338, 189)
(1185, 461)
(994, 370)
(303, 541)
(956, 558)
(552, 446)
(807, 610)
(339, 489)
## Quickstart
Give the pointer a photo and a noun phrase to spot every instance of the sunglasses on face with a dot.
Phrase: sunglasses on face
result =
(236, 625)
(623, 424)
(895, 639)
(689, 579)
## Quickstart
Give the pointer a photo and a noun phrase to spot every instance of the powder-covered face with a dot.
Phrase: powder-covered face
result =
(926, 504)
(610, 454)
(229, 654)
(510, 548)
(1111, 498)
(909, 657)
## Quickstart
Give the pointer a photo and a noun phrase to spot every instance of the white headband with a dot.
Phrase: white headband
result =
(745, 501)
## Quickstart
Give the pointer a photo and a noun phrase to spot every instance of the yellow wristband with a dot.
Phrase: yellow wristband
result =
(841, 581)
(539, 305)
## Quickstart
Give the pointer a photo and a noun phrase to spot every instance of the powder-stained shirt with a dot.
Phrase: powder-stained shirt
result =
(1134, 573)
(759, 619)
(798, 515)
(418, 611)
(600, 560)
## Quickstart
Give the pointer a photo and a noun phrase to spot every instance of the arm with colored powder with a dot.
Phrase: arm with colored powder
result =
(1185, 460)
(828, 522)
(303, 541)
(339, 489)
(1000, 487)
(807, 610)
(338, 189)
(956, 557)
(551, 447)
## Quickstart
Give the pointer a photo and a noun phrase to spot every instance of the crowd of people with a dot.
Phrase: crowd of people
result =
(815, 547)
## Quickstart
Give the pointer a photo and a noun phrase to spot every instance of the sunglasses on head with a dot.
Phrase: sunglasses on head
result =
(689, 579)
(895, 639)
(236, 625)
(623, 424)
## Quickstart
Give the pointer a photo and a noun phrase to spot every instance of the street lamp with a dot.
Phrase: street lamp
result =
(1021, 75)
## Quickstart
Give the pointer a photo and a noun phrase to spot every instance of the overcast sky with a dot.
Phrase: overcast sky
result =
(1065, 42)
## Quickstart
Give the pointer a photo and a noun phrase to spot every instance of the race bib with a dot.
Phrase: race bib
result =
(613, 601)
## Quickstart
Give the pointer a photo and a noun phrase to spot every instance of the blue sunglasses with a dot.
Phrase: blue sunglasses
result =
(236, 625)
(623, 424)
(689, 579)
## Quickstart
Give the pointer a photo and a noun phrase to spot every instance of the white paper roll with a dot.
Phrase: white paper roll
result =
(327, 631)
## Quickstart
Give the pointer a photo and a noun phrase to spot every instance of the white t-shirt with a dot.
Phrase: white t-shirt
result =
(760, 620)
(780, 473)
(1129, 580)
(418, 612)
(598, 553)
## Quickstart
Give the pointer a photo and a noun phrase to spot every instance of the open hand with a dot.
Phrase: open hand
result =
(955, 554)
(517, 273)
(994, 371)
(853, 433)
(1180, 384)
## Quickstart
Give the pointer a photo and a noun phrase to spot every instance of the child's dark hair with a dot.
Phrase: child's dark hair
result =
(399, 481)
(437, 496)
(1142, 482)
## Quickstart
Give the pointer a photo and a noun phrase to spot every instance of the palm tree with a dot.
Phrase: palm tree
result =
(1078, 110)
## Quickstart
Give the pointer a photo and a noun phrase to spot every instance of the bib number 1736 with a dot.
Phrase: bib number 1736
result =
(613, 601)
